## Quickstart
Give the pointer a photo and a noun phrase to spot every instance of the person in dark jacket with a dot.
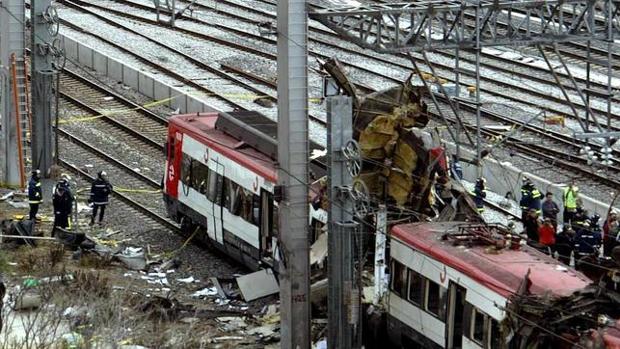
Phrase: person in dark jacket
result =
(564, 242)
(531, 225)
(99, 194)
(550, 209)
(35, 194)
(587, 239)
(480, 193)
(63, 205)
(456, 168)
(530, 198)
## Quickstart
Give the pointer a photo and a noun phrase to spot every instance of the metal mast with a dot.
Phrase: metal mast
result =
(45, 52)
(344, 163)
(293, 173)
(12, 19)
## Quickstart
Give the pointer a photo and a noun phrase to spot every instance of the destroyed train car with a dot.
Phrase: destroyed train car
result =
(464, 285)
(220, 184)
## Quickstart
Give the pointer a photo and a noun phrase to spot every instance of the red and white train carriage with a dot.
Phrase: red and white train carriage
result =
(446, 294)
(220, 183)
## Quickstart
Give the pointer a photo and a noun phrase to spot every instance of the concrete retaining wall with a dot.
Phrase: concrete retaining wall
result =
(504, 177)
(145, 83)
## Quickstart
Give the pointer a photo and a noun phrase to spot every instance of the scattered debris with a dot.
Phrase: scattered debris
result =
(27, 300)
(189, 320)
(220, 291)
(188, 280)
(231, 323)
(7, 196)
(266, 333)
(133, 257)
(19, 204)
(205, 292)
(258, 284)
(72, 340)
(318, 251)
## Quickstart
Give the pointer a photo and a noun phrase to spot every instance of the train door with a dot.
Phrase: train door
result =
(216, 196)
(266, 224)
(173, 164)
(454, 318)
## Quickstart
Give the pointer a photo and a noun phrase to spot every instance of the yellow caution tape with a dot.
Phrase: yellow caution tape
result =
(147, 191)
(103, 113)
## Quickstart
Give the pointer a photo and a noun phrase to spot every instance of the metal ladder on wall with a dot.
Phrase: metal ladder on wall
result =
(21, 101)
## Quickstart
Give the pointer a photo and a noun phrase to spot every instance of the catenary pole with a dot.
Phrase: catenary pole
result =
(12, 18)
(293, 174)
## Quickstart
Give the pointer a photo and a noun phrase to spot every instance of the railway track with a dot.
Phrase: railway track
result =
(84, 148)
(248, 76)
(566, 141)
(558, 103)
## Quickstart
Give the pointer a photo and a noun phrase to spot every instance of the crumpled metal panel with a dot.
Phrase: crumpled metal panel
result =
(394, 155)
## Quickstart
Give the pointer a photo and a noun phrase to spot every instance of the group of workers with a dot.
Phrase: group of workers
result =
(580, 233)
(63, 199)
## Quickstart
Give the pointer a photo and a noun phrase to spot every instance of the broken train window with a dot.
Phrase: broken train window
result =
(399, 279)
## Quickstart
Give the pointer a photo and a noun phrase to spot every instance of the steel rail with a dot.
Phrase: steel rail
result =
(118, 163)
(543, 132)
(117, 96)
(80, 5)
(112, 121)
(126, 199)
(542, 152)
(271, 56)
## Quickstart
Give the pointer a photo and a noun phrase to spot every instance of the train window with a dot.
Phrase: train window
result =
(232, 196)
(186, 169)
(246, 204)
(436, 299)
(200, 176)
(477, 326)
(275, 220)
(225, 197)
(214, 178)
(399, 279)
(256, 209)
(416, 287)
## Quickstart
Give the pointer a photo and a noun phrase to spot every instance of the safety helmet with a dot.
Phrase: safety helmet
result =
(36, 172)
(102, 174)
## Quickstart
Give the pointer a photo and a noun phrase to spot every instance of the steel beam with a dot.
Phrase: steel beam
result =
(293, 173)
(432, 25)
(588, 135)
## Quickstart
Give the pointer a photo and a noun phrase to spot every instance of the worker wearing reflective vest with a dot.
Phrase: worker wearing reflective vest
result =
(480, 193)
(530, 198)
(35, 194)
(571, 193)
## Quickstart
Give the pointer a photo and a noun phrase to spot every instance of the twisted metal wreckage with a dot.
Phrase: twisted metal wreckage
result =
(399, 167)
(414, 177)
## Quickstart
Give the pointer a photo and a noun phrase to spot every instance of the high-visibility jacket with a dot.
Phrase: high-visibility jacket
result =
(570, 198)
(530, 198)
(35, 194)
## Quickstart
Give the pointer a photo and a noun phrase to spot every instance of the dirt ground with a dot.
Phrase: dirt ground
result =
(82, 299)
